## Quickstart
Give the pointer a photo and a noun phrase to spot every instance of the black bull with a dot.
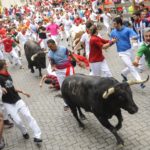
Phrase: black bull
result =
(32, 48)
(104, 97)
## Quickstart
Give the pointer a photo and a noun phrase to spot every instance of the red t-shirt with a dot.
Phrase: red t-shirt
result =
(78, 21)
(38, 3)
(54, 81)
(3, 32)
(8, 45)
(87, 13)
(96, 44)
(6, 12)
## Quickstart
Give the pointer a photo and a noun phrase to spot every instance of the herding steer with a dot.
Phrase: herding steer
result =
(104, 97)
(35, 56)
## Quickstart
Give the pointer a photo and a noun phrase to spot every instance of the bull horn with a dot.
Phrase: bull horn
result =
(138, 82)
(33, 57)
(108, 92)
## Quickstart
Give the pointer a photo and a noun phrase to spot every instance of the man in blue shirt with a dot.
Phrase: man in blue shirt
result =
(124, 35)
(60, 63)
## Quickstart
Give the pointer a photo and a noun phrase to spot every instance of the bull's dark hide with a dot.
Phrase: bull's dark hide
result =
(88, 92)
(31, 48)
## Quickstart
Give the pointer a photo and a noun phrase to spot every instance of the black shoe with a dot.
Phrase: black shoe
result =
(36, 140)
(32, 70)
(124, 78)
(142, 86)
(26, 136)
(8, 124)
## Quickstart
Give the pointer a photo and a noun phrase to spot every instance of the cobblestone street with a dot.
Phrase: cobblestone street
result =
(60, 130)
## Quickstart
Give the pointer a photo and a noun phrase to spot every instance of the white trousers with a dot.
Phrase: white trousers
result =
(107, 25)
(17, 49)
(1, 55)
(100, 69)
(64, 34)
(61, 75)
(67, 32)
(34, 36)
(20, 106)
(13, 56)
(3, 111)
(43, 44)
(127, 58)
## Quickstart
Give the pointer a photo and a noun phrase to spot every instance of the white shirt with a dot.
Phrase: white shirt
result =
(75, 29)
(16, 23)
(106, 18)
(86, 39)
(58, 21)
(67, 24)
(22, 38)
(93, 16)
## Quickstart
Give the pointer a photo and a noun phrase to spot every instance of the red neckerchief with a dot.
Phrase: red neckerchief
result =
(5, 73)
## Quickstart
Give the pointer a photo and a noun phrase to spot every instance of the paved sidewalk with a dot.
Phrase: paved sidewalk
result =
(60, 130)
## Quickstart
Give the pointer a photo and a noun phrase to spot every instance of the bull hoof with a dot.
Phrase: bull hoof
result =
(83, 117)
(120, 143)
(81, 125)
(32, 71)
(120, 146)
(118, 127)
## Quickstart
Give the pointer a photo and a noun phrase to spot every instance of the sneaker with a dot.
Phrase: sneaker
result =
(8, 124)
(142, 86)
(26, 136)
(36, 140)
(124, 78)
(2, 143)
